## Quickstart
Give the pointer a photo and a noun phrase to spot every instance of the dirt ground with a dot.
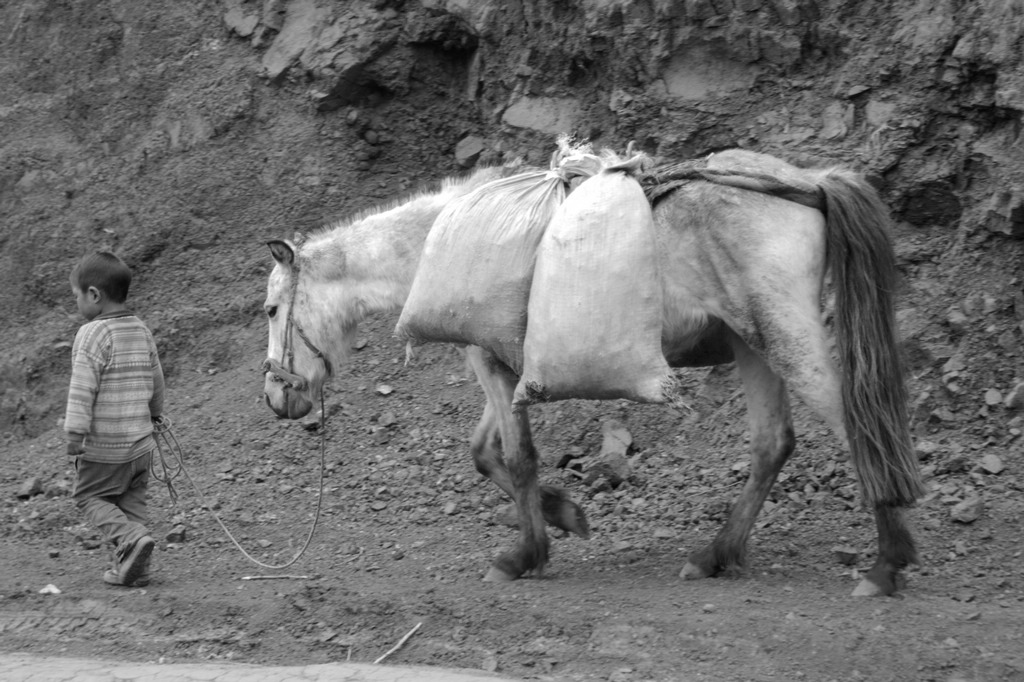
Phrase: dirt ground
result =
(408, 529)
(153, 130)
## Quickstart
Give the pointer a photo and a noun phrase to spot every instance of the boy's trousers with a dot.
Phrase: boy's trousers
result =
(113, 498)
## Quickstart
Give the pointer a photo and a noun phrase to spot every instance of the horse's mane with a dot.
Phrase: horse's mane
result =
(327, 244)
(430, 189)
(328, 251)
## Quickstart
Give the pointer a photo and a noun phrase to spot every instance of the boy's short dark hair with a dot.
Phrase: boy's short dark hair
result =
(106, 272)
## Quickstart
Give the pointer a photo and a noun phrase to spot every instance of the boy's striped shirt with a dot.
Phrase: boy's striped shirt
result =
(117, 386)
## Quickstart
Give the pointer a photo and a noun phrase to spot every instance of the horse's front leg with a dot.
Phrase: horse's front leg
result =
(485, 445)
(531, 551)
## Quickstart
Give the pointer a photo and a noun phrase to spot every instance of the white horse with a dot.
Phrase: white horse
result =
(744, 245)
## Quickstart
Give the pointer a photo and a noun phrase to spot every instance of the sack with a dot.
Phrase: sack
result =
(472, 284)
(595, 307)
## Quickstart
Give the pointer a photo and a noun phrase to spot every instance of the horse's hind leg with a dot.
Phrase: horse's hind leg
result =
(801, 354)
(812, 376)
(895, 551)
(772, 442)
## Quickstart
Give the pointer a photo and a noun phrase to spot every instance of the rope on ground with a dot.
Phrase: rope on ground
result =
(166, 466)
(400, 643)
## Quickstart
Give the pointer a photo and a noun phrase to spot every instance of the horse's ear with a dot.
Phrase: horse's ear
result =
(282, 250)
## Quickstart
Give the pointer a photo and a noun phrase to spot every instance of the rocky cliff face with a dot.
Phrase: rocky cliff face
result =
(184, 134)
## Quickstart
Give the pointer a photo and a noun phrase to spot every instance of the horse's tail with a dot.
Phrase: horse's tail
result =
(860, 255)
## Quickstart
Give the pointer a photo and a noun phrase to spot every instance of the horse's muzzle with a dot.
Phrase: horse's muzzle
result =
(288, 403)
(282, 391)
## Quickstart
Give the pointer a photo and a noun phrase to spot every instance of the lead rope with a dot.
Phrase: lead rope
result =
(167, 463)
(164, 434)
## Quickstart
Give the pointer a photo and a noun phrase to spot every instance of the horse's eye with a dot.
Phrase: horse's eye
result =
(271, 311)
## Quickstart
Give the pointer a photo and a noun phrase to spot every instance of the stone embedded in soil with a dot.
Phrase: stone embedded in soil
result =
(954, 464)
(991, 464)
(1015, 397)
(60, 488)
(612, 463)
(241, 23)
(177, 534)
(956, 320)
(993, 397)
(468, 150)
(845, 554)
(925, 449)
(30, 488)
(967, 511)
(1003, 214)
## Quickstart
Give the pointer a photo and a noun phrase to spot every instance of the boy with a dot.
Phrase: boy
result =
(117, 390)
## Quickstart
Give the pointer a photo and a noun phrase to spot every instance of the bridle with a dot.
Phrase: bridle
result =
(298, 383)
(283, 369)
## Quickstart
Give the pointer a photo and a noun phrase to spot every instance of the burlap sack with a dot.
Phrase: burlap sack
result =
(472, 284)
(595, 307)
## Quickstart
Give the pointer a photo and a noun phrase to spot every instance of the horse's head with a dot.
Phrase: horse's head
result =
(295, 368)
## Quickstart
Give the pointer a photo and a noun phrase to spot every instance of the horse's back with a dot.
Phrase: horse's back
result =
(729, 253)
(746, 161)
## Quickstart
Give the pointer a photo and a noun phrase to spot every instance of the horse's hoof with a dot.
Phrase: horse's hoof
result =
(693, 572)
(890, 587)
(496, 575)
(578, 523)
(866, 588)
(563, 513)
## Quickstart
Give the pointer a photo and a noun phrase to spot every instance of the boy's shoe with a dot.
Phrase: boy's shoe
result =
(110, 578)
(136, 562)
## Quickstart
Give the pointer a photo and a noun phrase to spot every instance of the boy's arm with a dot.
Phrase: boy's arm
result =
(156, 403)
(85, 382)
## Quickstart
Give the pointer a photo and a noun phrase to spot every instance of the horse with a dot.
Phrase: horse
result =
(744, 246)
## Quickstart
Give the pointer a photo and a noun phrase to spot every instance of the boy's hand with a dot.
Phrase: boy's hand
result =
(76, 447)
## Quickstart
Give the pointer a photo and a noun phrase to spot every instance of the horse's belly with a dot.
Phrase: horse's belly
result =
(697, 345)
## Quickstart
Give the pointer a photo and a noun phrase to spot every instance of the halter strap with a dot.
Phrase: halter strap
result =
(284, 370)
